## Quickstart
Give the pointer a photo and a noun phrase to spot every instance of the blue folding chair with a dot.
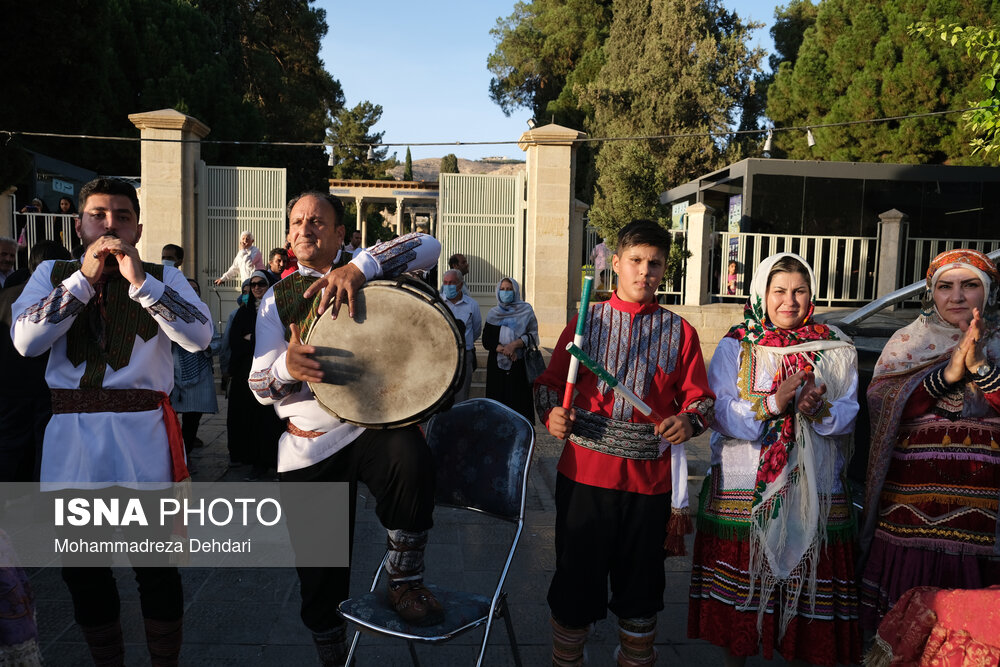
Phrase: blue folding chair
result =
(482, 451)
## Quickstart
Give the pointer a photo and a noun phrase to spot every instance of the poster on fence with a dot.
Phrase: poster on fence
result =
(735, 213)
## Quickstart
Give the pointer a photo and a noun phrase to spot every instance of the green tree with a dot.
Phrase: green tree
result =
(690, 75)
(449, 164)
(858, 62)
(790, 23)
(983, 46)
(353, 137)
(546, 53)
(249, 69)
(408, 167)
(543, 46)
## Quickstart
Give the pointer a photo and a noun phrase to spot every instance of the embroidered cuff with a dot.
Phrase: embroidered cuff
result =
(172, 306)
(266, 385)
(701, 413)
(936, 385)
(821, 413)
(766, 408)
(53, 309)
(990, 382)
(546, 398)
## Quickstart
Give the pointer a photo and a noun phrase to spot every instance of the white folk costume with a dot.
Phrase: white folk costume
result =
(269, 377)
(613, 492)
(773, 558)
(396, 464)
(110, 370)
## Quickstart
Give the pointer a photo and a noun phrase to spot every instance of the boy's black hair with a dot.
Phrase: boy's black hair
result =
(643, 232)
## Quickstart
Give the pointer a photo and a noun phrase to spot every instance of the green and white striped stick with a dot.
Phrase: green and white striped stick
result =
(581, 329)
(612, 382)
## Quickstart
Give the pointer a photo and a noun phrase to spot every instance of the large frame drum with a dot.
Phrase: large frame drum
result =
(399, 360)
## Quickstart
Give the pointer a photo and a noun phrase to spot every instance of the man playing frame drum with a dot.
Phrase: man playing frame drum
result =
(395, 464)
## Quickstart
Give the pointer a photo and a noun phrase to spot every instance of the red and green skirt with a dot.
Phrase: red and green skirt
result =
(938, 511)
(826, 634)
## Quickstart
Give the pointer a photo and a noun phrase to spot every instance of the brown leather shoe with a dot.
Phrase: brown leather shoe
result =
(415, 604)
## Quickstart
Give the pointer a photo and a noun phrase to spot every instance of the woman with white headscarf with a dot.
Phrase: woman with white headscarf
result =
(248, 259)
(774, 554)
(934, 464)
(510, 328)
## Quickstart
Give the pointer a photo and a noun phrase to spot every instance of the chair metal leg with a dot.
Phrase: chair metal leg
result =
(515, 650)
(357, 633)
(413, 653)
(501, 610)
(354, 645)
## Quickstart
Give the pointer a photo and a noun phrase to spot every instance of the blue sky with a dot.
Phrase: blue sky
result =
(425, 63)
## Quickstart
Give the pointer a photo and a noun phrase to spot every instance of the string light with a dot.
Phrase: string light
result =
(582, 140)
(810, 139)
(767, 144)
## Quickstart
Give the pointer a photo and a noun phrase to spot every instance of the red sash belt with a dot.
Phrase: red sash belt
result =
(295, 430)
(66, 401)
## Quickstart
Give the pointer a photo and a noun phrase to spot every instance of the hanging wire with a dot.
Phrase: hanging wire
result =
(580, 140)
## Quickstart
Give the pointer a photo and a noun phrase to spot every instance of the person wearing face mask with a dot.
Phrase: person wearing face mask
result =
(252, 429)
(172, 255)
(934, 463)
(510, 328)
(466, 311)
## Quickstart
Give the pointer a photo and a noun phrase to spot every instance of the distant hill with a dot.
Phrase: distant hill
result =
(427, 168)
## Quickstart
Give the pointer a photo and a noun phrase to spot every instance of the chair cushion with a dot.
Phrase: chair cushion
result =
(460, 610)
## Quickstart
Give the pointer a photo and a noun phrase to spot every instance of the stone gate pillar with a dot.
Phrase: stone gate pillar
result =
(701, 219)
(167, 196)
(893, 231)
(551, 166)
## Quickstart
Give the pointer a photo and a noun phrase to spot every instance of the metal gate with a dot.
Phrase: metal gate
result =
(482, 217)
(232, 200)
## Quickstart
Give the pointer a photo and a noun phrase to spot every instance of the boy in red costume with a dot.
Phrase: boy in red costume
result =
(613, 491)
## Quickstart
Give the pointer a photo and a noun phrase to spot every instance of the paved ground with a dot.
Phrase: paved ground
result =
(250, 617)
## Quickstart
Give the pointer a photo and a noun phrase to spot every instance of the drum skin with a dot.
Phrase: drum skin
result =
(396, 362)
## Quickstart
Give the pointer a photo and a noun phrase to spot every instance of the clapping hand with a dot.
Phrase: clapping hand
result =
(786, 390)
(967, 355)
(811, 396)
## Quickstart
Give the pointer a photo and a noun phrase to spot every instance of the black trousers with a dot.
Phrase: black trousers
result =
(93, 588)
(602, 533)
(95, 594)
(398, 468)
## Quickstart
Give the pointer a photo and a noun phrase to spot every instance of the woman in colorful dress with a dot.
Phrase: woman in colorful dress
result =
(934, 464)
(773, 557)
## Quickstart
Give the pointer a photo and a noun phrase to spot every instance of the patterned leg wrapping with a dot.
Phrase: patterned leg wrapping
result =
(406, 555)
(635, 641)
(163, 638)
(567, 644)
(107, 646)
(331, 646)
